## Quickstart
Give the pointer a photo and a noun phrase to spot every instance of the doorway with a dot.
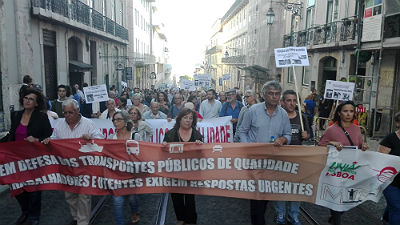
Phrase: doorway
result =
(327, 71)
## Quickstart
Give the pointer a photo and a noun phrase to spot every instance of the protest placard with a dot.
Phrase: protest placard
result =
(339, 90)
(202, 80)
(96, 93)
(291, 56)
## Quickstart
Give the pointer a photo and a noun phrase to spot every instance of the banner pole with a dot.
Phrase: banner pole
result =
(298, 99)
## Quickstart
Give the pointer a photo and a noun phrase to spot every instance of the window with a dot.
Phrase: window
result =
(311, 3)
(329, 11)
(305, 76)
(310, 17)
(290, 75)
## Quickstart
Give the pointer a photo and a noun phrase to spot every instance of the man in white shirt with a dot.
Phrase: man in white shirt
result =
(76, 126)
(154, 112)
(210, 108)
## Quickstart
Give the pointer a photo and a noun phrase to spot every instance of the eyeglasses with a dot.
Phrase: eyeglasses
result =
(29, 99)
(133, 113)
(117, 119)
(276, 94)
(68, 112)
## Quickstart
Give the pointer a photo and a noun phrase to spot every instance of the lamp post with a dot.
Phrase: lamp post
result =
(270, 16)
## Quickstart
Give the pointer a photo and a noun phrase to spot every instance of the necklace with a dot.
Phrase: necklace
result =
(181, 139)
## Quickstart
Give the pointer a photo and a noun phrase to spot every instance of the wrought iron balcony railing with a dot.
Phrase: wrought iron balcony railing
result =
(241, 59)
(335, 32)
(82, 13)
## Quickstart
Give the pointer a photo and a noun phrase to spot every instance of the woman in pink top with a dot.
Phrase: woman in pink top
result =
(343, 133)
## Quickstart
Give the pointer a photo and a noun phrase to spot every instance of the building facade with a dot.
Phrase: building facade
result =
(355, 41)
(60, 42)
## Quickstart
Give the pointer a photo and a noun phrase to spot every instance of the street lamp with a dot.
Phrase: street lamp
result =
(270, 16)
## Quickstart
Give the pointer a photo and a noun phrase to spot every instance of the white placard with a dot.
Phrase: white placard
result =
(202, 80)
(339, 90)
(96, 93)
(187, 85)
(291, 56)
(226, 76)
(372, 28)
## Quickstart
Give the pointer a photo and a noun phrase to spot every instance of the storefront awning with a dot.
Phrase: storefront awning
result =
(256, 68)
(78, 66)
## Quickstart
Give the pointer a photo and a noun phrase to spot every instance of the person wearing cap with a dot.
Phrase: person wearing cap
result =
(231, 108)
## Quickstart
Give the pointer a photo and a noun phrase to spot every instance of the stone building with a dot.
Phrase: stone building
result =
(60, 42)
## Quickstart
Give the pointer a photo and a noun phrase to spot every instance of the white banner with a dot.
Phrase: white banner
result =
(339, 90)
(96, 93)
(187, 85)
(352, 177)
(215, 130)
(202, 80)
(291, 56)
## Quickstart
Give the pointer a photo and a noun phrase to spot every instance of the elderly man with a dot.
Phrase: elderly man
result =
(265, 122)
(76, 126)
(109, 112)
(211, 107)
(154, 112)
(222, 97)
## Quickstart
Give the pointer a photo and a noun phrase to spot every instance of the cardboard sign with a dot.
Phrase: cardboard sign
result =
(202, 80)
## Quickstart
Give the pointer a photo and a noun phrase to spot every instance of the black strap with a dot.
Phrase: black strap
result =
(347, 135)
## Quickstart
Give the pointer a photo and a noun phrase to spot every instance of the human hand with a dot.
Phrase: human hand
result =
(169, 119)
(337, 145)
(198, 142)
(364, 146)
(234, 120)
(278, 142)
(164, 143)
(86, 137)
(31, 139)
(45, 141)
(304, 135)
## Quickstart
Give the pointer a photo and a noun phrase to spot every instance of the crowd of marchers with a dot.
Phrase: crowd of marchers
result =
(271, 116)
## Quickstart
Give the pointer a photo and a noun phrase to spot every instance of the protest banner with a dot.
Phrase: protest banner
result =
(96, 93)
(226, 76)
(338, 90)
(338, 180)
(213, 130)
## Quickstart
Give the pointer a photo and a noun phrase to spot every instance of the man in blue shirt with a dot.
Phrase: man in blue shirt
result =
(231, 108)
(263, 123)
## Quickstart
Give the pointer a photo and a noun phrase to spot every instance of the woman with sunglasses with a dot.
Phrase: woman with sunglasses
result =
(123, 125)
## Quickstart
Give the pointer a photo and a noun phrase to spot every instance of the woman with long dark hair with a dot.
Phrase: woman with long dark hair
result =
(163, 100)
(184, 131)
(32, 125)
(343, 133)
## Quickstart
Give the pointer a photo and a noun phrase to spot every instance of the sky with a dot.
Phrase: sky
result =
(188, 25)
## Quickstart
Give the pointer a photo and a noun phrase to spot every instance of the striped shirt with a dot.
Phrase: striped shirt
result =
(84, 126)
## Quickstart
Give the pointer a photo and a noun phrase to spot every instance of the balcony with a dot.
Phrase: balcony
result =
(338, 33)
(77, 14)
(240, 59)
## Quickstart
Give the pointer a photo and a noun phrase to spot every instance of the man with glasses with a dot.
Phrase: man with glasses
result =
(211, 107)
(264, 123)
(231, 108)
(76, 126)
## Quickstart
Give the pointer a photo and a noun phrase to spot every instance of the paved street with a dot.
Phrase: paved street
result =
(211, 210)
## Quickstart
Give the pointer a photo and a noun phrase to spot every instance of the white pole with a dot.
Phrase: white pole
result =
(298, 100)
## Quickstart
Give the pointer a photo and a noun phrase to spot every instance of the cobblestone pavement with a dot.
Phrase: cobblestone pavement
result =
(211, 210)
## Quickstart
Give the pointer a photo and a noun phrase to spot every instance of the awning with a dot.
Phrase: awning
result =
(256, 68)
(78, 66)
